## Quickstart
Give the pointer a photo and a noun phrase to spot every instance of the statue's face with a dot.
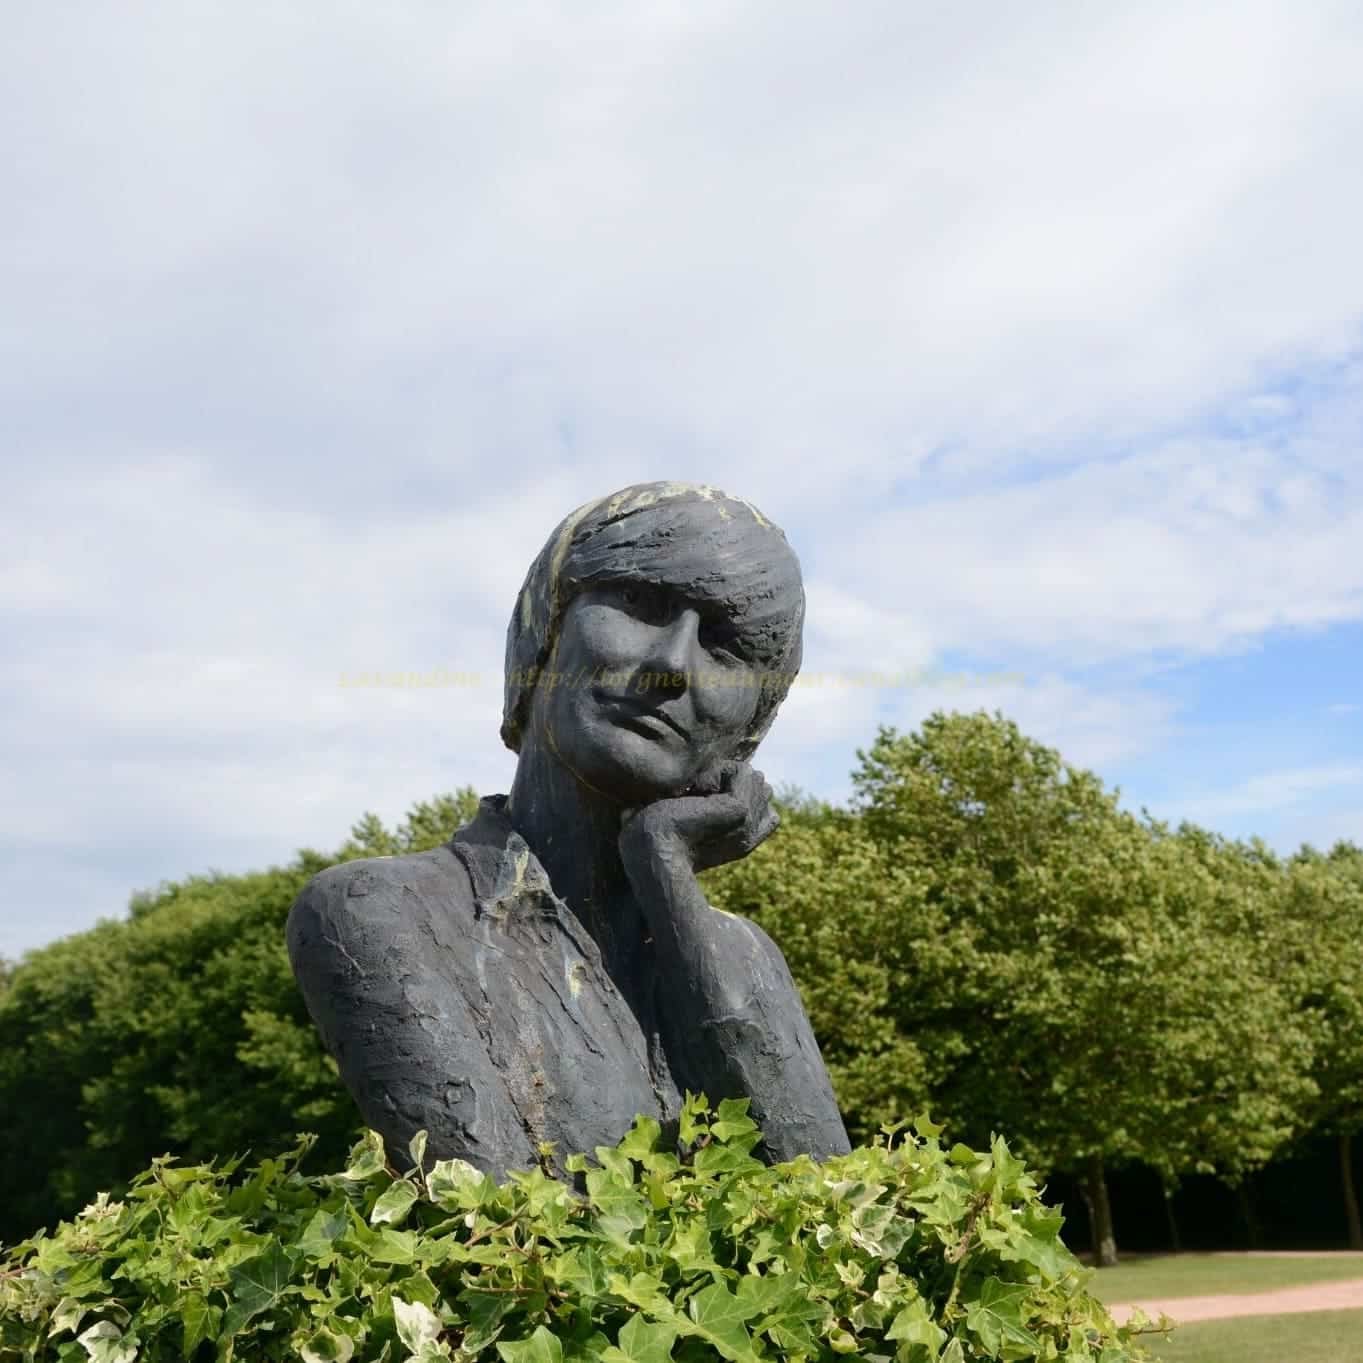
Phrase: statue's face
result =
(647, 691)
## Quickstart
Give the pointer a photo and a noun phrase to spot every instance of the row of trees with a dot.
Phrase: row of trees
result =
(179, 1029)
(985, 933)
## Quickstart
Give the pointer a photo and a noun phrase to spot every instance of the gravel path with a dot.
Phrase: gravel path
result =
(1283, 1301)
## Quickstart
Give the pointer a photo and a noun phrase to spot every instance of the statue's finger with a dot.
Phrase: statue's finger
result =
(766, 827)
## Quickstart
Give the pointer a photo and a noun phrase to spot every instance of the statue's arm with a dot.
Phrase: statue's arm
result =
(735, 1024)
(402, 1033)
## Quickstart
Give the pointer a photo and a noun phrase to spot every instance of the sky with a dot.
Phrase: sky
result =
(1038, 329)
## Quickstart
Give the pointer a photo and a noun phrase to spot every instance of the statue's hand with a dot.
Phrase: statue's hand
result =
(723, 819)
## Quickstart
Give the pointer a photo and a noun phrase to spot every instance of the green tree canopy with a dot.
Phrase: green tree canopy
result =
(179, 1029)
(994, 930)
(985, 933)
(1321, 955)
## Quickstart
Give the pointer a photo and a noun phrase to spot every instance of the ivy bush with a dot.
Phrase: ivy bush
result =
(687, 1249)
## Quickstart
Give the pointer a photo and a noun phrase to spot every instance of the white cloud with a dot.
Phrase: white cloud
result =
(1272, 791)
(1031, 328)
(1194, 545)
(1322, 829)
(773, 231)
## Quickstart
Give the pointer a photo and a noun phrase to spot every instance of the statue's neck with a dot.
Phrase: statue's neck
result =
(574, 834)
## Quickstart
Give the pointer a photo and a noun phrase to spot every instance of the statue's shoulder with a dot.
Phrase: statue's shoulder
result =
(374, 897)
(381, 876)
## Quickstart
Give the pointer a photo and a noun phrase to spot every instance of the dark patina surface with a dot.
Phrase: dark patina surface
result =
(555, 969)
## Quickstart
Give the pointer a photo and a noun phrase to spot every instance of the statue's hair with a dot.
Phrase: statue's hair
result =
(714, 547)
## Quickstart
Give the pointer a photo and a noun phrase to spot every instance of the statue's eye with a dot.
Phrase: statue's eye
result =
(641, 599)
(719, 638)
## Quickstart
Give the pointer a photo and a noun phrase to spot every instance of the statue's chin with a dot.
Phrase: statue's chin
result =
(633, 762)
(636, 784)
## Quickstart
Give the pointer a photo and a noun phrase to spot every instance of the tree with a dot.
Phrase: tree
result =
(1024, 857)
(849, 920)
(1085, 954)
(1321, 952)
(1232, 1084)
(177, 1030)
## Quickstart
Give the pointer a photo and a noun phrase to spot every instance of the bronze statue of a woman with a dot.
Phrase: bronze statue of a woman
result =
(555, 970)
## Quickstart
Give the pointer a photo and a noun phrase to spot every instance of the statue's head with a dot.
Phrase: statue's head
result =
(656, 635)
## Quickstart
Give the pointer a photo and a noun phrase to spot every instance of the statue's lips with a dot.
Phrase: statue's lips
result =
(643, 719)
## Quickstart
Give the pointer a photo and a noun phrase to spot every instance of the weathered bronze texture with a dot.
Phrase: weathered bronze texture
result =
(555, 969)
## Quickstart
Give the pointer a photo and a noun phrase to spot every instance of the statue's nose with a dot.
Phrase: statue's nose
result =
(674, 649)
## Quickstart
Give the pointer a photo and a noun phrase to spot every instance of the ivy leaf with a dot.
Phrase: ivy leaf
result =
(719, 1318)
(913, 1325)
(586, 1350)
(793, 1337)
(642, 1139)
(327, 1346)
(393, 1204)
(485, 1312)
(727, 1158)
(996, 1319)
(693, 1121)
(256, 1287)
(1053, 1259)
(732, 1120)
(690, 1247)
(456, 1183)
(416, 1147)
(434, 1352)
(200, 1321)
(1010, 1170)
(581, 1271)
(733, 1109)
(66, 1315)
(104, 1342)
(842, 1258)
(393, 1247)
(542, 1347)
(417, 1324)
(642, 1341)
(620, 1211)
(761, 1295)
(367, 1158)
(879, 1231)
(321, 1233)
(644, 1291)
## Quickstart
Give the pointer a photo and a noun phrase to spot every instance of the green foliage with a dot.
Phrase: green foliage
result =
(988, 933)
(900, 1250)
(428, 824)
(1321, 958)
(1231, 1081)
(1124, 979)
(180, 1029)
(860, 935)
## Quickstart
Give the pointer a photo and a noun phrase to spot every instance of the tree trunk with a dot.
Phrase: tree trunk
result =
(1253, 1233)
(1346, 1175)
(1100, 1214)
(1171, 1221)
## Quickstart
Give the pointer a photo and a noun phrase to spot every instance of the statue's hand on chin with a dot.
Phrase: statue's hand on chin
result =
(724, 816)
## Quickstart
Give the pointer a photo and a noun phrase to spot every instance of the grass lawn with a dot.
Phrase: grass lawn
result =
(1312, 1337)
(1204, 1275)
